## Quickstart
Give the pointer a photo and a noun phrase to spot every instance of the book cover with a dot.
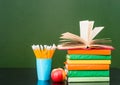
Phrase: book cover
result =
(88, 61)
(87, 73)
(87, 57)
(87, 66)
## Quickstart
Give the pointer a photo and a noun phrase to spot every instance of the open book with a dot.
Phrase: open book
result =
(86, 38)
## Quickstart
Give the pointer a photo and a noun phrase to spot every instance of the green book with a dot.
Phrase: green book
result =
(88, 57)
(89, 79)
(89, 83)
(87, 73)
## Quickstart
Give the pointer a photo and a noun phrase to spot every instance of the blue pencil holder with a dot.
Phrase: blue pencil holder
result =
(43, 82)
(43, 67)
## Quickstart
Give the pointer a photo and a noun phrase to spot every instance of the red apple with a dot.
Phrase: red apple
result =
(58, 75)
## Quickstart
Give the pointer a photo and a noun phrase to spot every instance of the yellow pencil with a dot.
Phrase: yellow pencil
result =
(43, 51)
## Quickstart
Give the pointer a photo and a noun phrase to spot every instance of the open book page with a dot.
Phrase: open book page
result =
(95, 31)
(91, 23)
(86, 30)
(101, 41)
(69, 37)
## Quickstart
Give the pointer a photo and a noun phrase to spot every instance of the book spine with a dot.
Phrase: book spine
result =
(87, 67)
(88, 79)
(88, 57)
(98, 73)
(90, 52)
(88, 61)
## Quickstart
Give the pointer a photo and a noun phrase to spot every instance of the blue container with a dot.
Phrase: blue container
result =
(40, 82)
(43, 67)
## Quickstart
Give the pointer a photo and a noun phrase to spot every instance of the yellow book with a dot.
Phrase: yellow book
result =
(88, 61)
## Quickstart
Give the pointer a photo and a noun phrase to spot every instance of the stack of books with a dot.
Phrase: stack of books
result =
(88, 65)
(88, 59)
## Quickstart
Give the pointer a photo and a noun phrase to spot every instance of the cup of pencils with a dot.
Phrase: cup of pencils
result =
(43, 54)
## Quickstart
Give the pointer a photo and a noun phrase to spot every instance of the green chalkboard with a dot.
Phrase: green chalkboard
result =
(27, 22)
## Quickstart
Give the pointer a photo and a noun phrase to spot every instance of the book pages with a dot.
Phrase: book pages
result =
(91, 23)
(86, 38)
(84, 30)
(95, 31)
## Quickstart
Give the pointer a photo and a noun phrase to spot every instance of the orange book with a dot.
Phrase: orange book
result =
(87, 66)
(90, 51)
